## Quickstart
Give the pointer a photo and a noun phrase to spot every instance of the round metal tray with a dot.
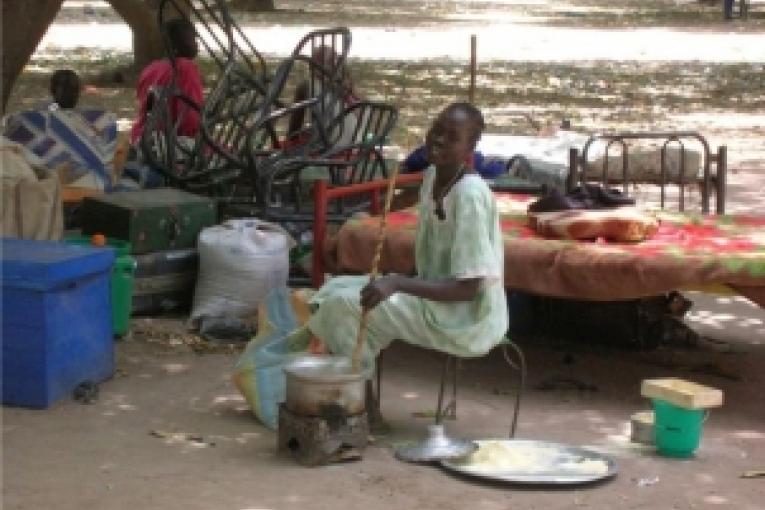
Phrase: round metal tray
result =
(555, 470)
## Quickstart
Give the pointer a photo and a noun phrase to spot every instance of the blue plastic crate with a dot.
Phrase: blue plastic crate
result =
(56, 319)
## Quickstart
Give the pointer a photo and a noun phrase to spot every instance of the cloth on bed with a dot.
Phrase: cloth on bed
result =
(545, 158)
(591, 212)
(622, 224)
(467, 244)
(686, 250)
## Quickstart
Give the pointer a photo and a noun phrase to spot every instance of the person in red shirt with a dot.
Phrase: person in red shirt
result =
(188, 81)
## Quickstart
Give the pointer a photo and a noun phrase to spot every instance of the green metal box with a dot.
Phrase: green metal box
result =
(151, 220)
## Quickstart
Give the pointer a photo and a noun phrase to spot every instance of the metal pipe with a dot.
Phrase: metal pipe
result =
(722, 178)
(473, 67)
(573, 164)
(442, 387)
(521, 381)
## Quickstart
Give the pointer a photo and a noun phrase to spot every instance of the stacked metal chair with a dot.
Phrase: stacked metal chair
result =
(258, 149)
(338, 140)
(217, 153)
(270, 135)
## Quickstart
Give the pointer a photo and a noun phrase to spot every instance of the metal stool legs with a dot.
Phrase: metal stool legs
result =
(373, 393)
(519, 367)
(451, 363)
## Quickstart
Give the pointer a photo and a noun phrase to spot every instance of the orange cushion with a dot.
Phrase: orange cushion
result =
(623, 224)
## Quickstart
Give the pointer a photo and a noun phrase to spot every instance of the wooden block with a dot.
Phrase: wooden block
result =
(682, 393)
(643, 427)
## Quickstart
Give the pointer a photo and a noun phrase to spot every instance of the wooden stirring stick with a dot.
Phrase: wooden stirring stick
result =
(361, 338)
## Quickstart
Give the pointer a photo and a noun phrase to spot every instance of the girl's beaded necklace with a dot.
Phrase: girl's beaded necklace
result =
(439, 198)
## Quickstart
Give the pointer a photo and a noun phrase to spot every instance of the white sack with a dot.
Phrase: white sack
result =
(240, 261)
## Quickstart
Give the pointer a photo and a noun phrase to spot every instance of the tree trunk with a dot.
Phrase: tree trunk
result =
(25, 22)
(24, 25)
(141, 17)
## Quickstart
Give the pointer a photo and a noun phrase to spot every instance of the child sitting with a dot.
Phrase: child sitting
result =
(456, 302)
(81, 145)
(65, 89)
(183, 73)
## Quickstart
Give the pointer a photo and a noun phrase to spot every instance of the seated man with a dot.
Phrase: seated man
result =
(160, 73)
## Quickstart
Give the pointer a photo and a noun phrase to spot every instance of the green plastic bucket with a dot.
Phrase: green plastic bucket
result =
(677, 430)
(121, 281)
(122, 293)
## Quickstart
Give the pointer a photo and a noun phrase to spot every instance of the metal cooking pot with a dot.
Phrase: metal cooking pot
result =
(324, 386)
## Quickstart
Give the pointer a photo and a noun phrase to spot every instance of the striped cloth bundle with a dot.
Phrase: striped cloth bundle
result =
(81, 141)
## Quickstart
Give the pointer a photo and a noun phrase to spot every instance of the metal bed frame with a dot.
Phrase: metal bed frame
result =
(709, 183)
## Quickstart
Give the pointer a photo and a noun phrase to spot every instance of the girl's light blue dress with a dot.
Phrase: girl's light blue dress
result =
(466, 244)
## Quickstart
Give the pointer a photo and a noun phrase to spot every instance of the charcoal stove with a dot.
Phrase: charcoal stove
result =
(321, 440)
(323, 419)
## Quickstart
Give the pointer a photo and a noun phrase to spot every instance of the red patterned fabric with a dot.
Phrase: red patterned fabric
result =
(686, 250)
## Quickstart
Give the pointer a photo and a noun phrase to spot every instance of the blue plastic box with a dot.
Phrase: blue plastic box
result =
(56, 319)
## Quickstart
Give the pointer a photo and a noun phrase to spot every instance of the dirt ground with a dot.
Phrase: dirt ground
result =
(170, 431)
(105, 456)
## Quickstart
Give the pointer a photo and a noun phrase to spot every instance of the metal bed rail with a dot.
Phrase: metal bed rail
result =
(578, 165)
(323, 193)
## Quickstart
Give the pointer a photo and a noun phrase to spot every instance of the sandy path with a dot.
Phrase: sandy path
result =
(498, 41)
